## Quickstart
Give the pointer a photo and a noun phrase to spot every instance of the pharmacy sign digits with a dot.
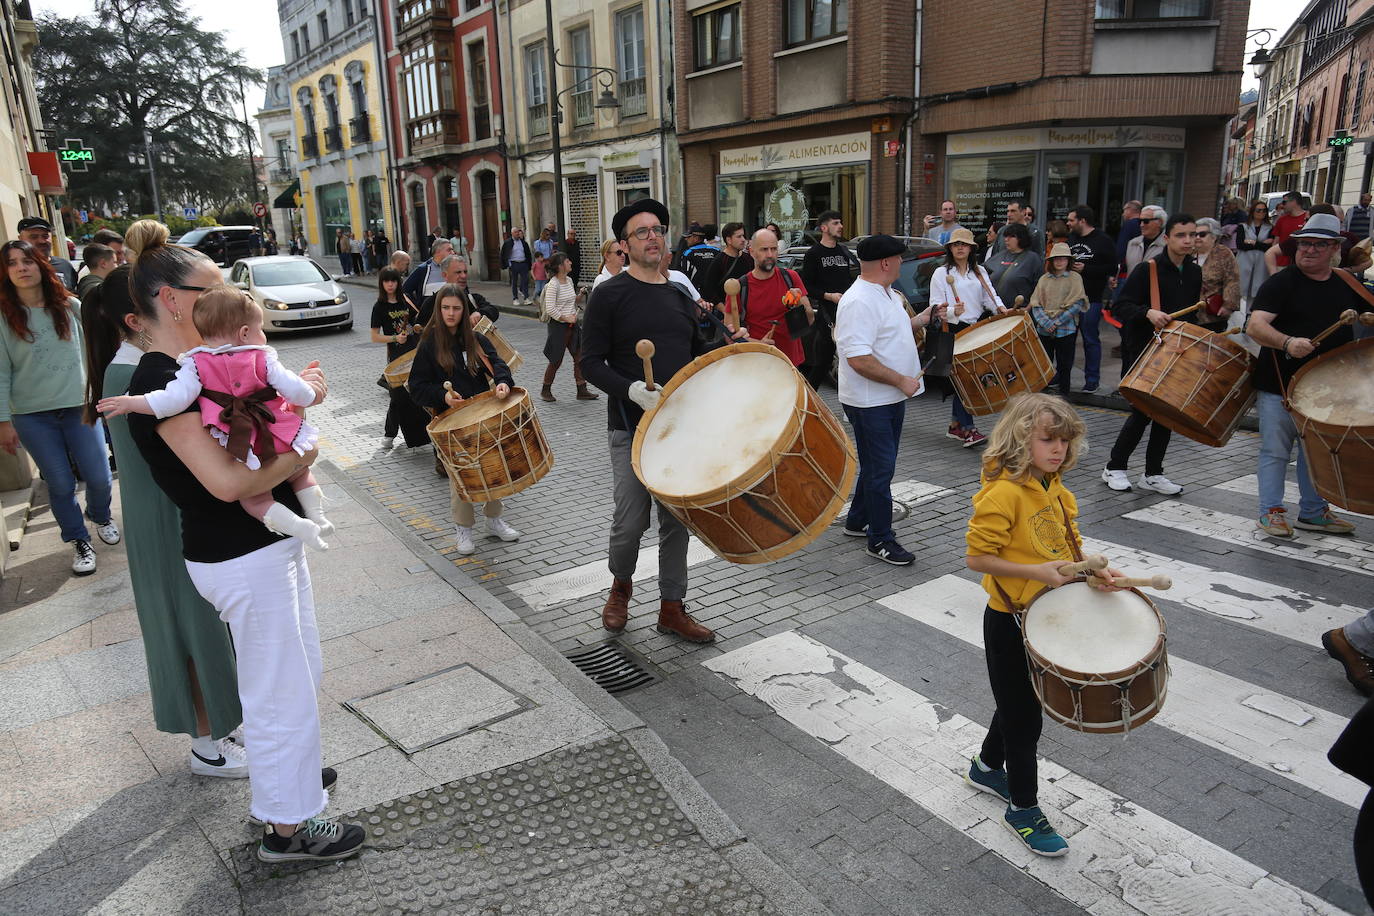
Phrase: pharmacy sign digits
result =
(76, 156)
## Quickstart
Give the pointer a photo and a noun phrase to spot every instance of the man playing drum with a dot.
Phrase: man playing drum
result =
(1293, 306)
(640, 304)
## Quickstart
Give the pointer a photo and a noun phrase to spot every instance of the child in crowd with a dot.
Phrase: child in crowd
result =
(1055, 305)
(1021, 535)
(540, 271)
(261, 416)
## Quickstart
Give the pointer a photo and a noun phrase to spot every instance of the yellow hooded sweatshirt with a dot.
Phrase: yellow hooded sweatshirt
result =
(1024, 522)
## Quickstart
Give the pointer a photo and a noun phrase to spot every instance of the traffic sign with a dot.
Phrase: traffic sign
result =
(259, 209)
(189, 212)
(85, 215)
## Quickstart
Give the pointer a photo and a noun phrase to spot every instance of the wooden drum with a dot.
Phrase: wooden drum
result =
(491, 448)
(509, 355)
(996, 359)
(745, 454)
(398, 370)
(1193, 381)
(1331, 399)
(1097, 659)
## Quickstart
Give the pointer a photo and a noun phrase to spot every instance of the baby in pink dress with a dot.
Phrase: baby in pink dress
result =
(248, 401)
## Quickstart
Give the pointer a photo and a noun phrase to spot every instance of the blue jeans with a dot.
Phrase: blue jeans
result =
(346, 262)
(1277, 436)
(519, 279)
(1089, 325)
(877, 430)
(49, 436)
(960, 412)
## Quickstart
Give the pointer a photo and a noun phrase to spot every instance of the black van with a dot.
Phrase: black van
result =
(223, 244)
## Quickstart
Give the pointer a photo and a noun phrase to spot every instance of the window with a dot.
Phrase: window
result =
(305, 38)
(359, 125)
(1358, 107)
(295, 46)
(629, 39)
(452, 204)
(583, 94)
(348, 13)
(324, 27)
(716, 35)
(1154, 9)
(427, 81)
(537, 88)
(477, 90)
(815, 20)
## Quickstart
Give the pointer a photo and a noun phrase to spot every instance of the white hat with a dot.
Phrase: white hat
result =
(1319, 226)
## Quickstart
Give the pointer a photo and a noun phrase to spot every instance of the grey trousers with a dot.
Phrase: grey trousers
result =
(1361, 634)
(632, 520)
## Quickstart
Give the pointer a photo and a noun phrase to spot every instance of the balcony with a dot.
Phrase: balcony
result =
(333, 139)
(417, 16)
(310, 146)
(432, 132)
(283, 175)
(360, 128)
(539, 120)
(584, 107)
(634, 97)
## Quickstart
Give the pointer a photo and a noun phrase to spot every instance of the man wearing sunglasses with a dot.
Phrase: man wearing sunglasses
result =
(640, 304)
(1150, 243)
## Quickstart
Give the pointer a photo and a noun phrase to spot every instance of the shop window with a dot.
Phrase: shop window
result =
(982, 186)
(1163, 179)
(631, 186)
(814, 20)
(716, 37)
(333, 202)
(370, 192)
(792, 199)
(633, 90)
(1154, 9)
(537, 88)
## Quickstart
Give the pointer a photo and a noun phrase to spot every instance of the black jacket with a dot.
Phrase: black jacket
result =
(509, 245)
(1178, 289)
(427, 377)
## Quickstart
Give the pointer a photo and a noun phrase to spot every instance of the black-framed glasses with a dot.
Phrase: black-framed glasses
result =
(1315, 243)
(642, 233)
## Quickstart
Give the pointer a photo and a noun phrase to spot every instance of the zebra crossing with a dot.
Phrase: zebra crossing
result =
(1124, 858)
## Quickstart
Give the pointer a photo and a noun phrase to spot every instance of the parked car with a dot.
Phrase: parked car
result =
(223, 244)
(1274, 200)
(295, 293)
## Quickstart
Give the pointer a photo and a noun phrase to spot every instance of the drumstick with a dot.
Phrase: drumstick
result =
(732, 302)
(1019, 302)
(645, 350)
(1087, 564)
(954, 290)
(1188, 311)
(768, 338)
(1347, 317)
(1161, 582)
(1367, 319)
(448, 389)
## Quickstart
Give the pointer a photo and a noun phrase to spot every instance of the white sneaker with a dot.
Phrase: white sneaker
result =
(463, 538)
(1117, 480)
(83, 564)
(388, 442)
(222, 758)
(1159, 483)
(236, 736)
(108, 532)
(498, 528)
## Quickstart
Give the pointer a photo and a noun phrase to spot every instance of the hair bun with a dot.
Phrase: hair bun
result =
(145, 235)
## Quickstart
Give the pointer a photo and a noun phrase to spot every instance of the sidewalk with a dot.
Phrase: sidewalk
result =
(492, 777)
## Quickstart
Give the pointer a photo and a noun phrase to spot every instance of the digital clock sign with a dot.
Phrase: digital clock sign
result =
(76, 155)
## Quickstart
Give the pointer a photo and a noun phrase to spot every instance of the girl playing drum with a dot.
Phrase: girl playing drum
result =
(1021, 536)
(451, 351)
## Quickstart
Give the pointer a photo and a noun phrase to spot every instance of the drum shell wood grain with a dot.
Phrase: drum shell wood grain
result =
(509, 355)
(787, 498)
(1194, 381)
(397, 372)
(988, 376)
(494, 457)
(1145, 684)
(1340, 456)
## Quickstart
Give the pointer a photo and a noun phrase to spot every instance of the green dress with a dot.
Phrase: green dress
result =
(177, 623)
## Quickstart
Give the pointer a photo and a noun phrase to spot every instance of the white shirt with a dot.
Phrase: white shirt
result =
(974, 299)
(560, 299)
(870, 321)
(602, 277)
(677, 276)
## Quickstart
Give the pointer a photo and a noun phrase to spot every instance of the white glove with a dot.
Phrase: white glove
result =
(641, 395)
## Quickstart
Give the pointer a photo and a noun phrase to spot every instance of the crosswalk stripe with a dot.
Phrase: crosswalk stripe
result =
(1292, 613)
(909, 492)
(1249, 485)
(1234, 716)
(591, 578)
(1331, 550)
(1122, 858)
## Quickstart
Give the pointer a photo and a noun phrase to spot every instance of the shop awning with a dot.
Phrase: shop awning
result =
(289, 199)
(44, 167)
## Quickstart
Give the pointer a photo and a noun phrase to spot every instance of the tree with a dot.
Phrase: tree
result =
(144, 65)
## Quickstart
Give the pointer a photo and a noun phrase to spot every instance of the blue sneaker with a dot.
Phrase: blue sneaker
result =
(892, 552)
(1033, 829)
(993, 782)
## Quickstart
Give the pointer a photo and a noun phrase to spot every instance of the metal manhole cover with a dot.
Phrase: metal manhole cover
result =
(612, 667)
(438, 707)
(900, 510)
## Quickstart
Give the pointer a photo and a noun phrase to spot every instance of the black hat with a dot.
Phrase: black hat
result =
(34, 222)
(696, 228)
(877, 247)
(627, 212)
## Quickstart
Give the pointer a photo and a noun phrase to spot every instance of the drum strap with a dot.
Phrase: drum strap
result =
(1154, 285)
(1359, 288)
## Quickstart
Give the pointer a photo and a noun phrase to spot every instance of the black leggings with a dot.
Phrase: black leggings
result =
(1016, 724)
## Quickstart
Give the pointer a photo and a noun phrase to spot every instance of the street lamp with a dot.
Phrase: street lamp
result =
(1259, 63)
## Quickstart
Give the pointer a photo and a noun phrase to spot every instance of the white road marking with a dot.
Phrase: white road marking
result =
(1332, 550)
(1220, 711)
(1122, 858)
(910, 492)
(1249, 485)
(1298, 615)
(591, 578)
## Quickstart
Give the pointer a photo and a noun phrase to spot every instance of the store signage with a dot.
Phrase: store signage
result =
(1101, 137)
(795, 154)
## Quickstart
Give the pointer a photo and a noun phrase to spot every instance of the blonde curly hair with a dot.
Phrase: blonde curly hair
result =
(1008, 453)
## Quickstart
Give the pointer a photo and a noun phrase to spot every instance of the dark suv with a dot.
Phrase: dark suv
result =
(223, 244)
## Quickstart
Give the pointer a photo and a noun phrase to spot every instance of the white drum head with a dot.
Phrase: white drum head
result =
(1081, 629)
(975, 337)
(1338, 389)
(718, 424)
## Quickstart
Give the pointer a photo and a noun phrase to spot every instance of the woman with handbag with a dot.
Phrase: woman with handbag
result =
(558, 308)
(1220, 275)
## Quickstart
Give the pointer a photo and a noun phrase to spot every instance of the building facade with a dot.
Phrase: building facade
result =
(336, 98)
(445, 121)
(277, 133)
(1274, 168)
(29, 173)
(610, 155)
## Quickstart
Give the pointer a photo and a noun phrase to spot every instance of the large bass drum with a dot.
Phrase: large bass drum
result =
(1331, 399)
(492, 448)
(997, 359)
(1194, 381)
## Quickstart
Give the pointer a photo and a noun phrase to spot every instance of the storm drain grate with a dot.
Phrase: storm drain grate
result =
(611, 666)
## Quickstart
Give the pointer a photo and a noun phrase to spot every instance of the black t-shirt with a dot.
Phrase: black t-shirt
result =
(1097, 254)
(826, 270)
(724, 267)
(622, 312)
(1302, 307)
(698, 263)
(212, 531)
(392, 318)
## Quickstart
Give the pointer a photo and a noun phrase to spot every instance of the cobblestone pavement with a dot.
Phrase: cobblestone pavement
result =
(803, 719)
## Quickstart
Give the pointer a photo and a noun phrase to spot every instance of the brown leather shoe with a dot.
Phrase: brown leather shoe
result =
(584, 395)
(673, 618)
(617, 608)
(1359, 668)
(546, 394)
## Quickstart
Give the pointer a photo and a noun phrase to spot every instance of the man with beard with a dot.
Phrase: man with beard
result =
(732, 263)
(38, 232)
(765, 295)
(826, 273)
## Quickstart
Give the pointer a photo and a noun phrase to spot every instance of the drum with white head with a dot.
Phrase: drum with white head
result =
(1331, 399)
(997, 359)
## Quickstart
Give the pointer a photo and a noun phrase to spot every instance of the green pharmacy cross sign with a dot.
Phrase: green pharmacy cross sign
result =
(76, 155)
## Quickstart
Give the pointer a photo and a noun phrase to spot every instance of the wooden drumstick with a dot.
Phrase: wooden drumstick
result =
(954, 291)
(768, 338)
(645, 351)
(1347, 317)
(1188, 311)
(732, 303)
(1229, 331)
(1020, 302)
(448, 389)
(1367, 319)
(1160, 582)
(1089, 563)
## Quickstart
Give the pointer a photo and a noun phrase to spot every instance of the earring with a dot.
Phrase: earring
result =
(145, 343)
(176, 316)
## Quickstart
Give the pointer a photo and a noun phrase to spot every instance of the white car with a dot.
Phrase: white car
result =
(295, 293)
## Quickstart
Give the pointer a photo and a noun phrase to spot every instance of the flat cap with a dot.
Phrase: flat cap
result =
(34, 222)
(877, 247)
(627, 212)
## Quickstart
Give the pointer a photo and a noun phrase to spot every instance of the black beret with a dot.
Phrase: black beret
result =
(627, 212)
(877, 247)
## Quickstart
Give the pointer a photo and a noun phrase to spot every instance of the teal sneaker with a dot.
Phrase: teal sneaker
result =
(1327, 522)
(1033, 829)
(993, 782)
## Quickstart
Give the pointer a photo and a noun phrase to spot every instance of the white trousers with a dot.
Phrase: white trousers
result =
(266, 600)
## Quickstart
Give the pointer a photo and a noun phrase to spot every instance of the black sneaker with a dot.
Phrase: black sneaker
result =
(856, 532)
(892, 552)
(327, 776)
(316, 840)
